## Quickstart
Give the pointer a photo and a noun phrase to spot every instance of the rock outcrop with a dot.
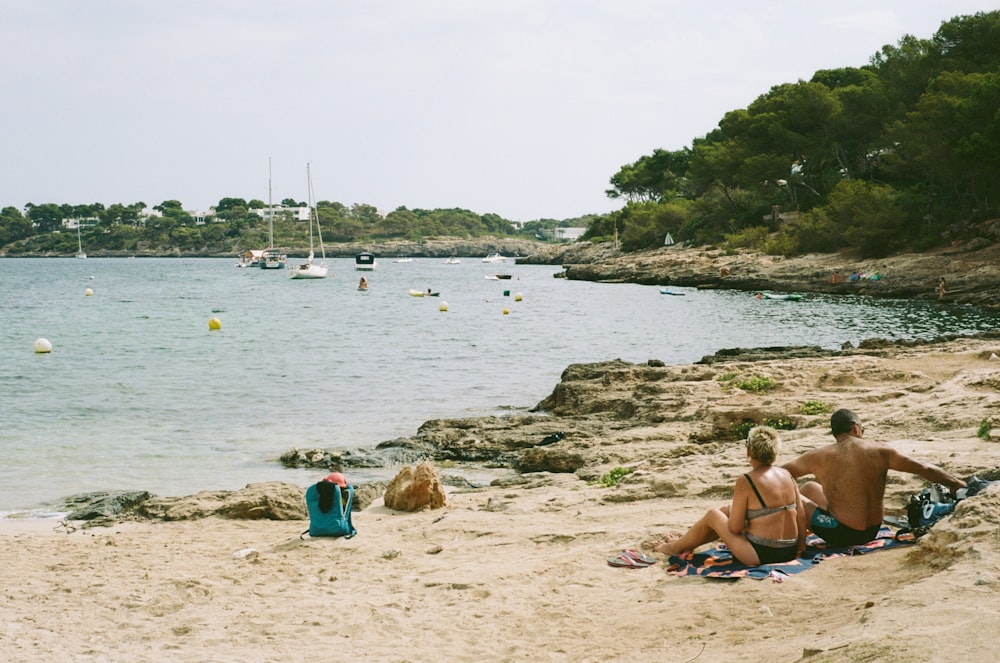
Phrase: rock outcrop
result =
(257, 501)
(415, 488)
(649, 417)
(971, 270)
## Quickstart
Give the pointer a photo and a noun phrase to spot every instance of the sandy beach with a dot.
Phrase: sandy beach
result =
(519, 573)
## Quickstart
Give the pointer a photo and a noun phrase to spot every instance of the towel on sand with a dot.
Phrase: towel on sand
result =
(718, 562)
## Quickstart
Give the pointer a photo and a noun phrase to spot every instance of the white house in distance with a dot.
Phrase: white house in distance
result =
(567, 234)
(298, 213)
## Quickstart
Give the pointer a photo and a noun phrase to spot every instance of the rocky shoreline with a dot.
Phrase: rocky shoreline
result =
(971, 270)
(643, 421)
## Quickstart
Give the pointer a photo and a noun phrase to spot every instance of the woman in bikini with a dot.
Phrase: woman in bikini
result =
(755, 532)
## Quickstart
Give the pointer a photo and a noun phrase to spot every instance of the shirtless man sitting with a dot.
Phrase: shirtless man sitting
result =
(844, 506)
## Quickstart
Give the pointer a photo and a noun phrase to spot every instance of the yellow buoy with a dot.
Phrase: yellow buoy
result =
(506, 311)
(42, 346)
(214, 324)
(518, 297)
(443, 307)
(88, 292)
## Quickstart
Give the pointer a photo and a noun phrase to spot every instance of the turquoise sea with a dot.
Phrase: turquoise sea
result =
(138, 393)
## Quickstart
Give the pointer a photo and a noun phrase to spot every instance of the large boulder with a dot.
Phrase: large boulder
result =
(414, 488)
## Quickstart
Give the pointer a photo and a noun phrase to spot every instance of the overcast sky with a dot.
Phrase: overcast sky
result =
(522, 108)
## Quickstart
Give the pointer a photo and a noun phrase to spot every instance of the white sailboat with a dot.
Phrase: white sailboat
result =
(309, 269)
(271, 257)
(79, 243)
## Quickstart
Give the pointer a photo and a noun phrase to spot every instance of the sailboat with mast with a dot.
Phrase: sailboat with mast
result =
(79, 242)
(271, 257)
(309, 269)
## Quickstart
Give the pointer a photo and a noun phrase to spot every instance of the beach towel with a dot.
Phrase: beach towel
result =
(718, 562)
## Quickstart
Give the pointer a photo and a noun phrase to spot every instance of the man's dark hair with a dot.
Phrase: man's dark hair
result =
(842, 421)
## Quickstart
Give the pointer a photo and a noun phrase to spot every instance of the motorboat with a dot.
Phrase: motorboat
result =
(494, 257)
(452, 261)
(250, 258)
(272, 258)
(403, 260)
(365, 262)
(788, 297)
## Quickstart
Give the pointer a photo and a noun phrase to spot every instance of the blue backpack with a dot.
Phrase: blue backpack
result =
(329, 510)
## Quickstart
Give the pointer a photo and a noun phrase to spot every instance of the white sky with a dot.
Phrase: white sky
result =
(523, 108)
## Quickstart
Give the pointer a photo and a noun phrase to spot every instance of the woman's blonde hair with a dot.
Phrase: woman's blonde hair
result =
(763, 443)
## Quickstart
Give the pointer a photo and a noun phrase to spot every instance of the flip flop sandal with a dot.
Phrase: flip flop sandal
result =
(624, 561)
(639, 557)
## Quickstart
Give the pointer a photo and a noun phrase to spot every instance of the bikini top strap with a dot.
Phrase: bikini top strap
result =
(755, 491)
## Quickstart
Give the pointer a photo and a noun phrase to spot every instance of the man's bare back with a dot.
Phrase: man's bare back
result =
(851, 474)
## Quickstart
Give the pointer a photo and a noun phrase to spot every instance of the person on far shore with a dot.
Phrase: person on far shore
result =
(844, 505)
(940, 291)
(755, 532)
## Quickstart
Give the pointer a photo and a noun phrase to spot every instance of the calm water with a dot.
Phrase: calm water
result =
(139, 394)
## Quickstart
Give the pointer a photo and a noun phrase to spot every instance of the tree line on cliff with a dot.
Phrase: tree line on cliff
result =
(903, 153)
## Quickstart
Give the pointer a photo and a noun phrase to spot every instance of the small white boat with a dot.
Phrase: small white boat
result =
(79, 243)
(789, 297)
(494, 257)
(271, 257)
(250, 258)
(452, 261)
(668, 291)
(423, 293)
(365, 262)
(403, 260)
(310, 270)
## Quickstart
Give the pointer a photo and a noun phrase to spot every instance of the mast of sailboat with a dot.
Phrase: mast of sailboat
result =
(312, 209)
(270, 208)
